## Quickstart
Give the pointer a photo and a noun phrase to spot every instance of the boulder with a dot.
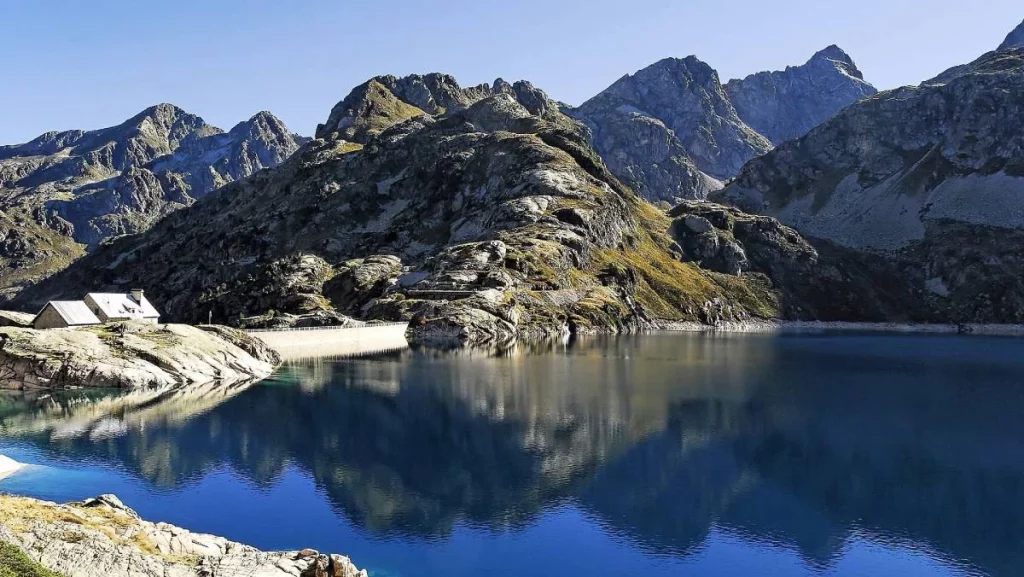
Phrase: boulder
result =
(359, 281)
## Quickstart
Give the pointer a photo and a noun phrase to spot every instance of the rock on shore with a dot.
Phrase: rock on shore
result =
(101, 537)
(129, 356)
(8, 466)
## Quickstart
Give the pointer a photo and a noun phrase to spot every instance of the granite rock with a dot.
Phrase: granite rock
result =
(101, 537)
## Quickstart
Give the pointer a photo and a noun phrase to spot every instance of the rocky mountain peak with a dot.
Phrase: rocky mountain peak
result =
(669, 130)
(835, 56)
(373, 106)
(786, 104)
(500, 85)
(264, 126)
(669, 73)
(1014, 39)
(384, 101)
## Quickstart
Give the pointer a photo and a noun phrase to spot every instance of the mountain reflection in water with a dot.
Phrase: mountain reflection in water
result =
(801, 443)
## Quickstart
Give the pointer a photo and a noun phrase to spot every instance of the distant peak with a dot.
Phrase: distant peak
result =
(162, 109)
(837, 56)
(162, 113)
(265, 117)
(690, 66)
(1015, 39)
(263, 124)
(833, 52)
(690, 61)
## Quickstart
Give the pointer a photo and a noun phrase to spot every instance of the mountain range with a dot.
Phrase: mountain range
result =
(492, 212)
(480, 214)
(64, 193)
(673, 131)
(931, 176)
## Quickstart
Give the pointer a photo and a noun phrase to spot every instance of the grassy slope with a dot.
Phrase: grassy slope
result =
(14, 563)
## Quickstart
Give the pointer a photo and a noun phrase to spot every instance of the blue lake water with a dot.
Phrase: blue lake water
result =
(825, 455)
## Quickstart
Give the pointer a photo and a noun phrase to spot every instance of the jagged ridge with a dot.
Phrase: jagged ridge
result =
(64, 190)
(672, 131)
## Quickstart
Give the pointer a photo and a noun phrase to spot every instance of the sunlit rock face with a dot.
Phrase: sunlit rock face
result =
(65, 192)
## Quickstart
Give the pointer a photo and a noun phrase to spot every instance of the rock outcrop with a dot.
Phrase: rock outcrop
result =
(823, 282)
(101, 537)
(485, 217)
(787, 104)
(672, 131)
(66, 192)
(930, 176)
(130, 355)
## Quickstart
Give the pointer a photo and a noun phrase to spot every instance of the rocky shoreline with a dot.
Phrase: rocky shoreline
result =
(101, 537)
(781, 326)
(130, 355)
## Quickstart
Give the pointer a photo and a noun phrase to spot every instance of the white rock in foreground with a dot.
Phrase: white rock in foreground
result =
(103, 538)
(8, 466)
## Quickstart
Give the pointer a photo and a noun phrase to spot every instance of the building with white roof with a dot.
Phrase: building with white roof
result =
(64, 314)
(122, 306)
(95, 309)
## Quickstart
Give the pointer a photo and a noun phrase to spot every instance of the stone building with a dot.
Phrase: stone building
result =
(64, 314)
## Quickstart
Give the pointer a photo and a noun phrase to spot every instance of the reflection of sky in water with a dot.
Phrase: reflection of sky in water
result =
(659, 455)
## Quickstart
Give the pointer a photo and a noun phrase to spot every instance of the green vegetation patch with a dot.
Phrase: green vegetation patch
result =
(14, 563)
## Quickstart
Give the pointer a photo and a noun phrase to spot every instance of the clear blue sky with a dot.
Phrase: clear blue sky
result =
(88, 64)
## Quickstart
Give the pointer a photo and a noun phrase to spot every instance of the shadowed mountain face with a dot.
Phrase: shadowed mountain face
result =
(933, 175)
(804, 443)
(672, 131)
(66, 192)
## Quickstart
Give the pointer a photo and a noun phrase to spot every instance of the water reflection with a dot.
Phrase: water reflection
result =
(800, 442)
